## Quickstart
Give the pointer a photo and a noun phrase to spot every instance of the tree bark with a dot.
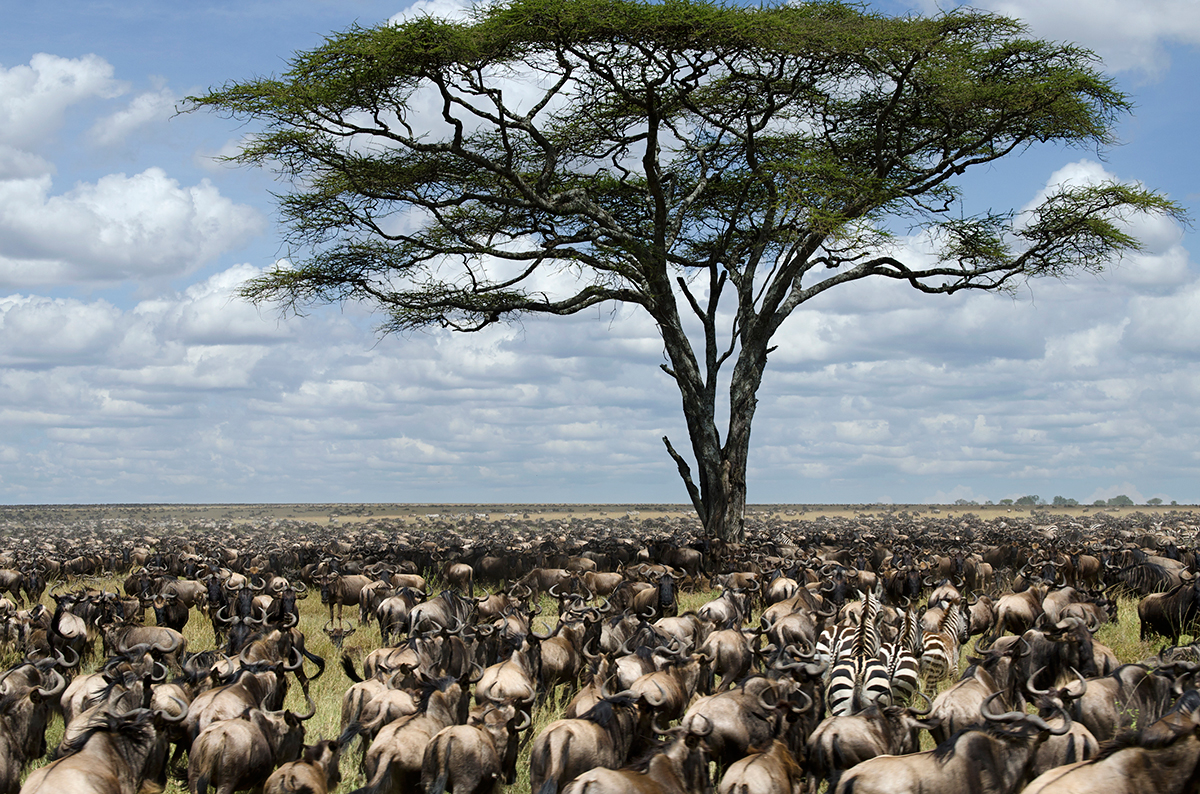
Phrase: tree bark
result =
(720, 497)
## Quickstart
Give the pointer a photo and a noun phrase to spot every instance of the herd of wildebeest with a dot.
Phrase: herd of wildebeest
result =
(825, 650)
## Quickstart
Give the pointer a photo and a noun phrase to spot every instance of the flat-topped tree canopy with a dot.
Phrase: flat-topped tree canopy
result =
(717, 166)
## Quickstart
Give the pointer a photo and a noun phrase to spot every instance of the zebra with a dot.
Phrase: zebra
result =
(902, 658)
(857, 683)
(858, 677)
(939, 656)
(837, 643)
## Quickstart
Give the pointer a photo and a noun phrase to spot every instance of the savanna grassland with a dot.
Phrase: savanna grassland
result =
(25, 526)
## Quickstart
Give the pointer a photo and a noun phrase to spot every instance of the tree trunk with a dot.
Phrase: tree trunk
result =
(720, 499)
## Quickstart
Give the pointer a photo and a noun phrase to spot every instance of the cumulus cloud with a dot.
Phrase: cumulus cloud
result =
(1128, 36)
(33, 98)
(143, 109)
(55, 332)
(119, 227)
(198, 380)
(19, 164)
(276, 408)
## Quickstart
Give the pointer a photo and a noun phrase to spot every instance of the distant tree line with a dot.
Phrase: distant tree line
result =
(1033, 500)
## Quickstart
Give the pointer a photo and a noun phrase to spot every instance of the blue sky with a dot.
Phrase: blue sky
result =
(128, 373)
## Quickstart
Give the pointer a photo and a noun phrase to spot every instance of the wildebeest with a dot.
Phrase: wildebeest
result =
(1171, 613)
(1128, 765)
(771, 771)
(566, 749)
(316, 772)
(27, 699)
(394, 758)
(114, 754)
(992, 760)
(680, 768)
(474, 758)
(840, 742)
(241, 753)
(340, 591)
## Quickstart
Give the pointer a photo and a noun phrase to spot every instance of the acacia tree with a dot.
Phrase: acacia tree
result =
(715, 166)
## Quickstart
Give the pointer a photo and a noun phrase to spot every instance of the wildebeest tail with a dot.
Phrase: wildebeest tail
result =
(555, 765)
(382, 782)
(443, 764)
(348, 666)
(439, 783)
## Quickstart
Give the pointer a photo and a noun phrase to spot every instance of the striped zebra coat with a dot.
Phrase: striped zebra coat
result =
(902, 658)
(858, 678)
(939, 658)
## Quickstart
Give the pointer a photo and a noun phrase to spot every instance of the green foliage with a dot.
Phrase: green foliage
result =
(1120, 501)
(1030, 500)
(1155, 501)
(1063, 501)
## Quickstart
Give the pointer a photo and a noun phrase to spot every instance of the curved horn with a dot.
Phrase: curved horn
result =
(62, 660)
(692, 729)
(1083, 685)
(991, 716)
(762, 701)
(807, 705)
(1029, 687)
(928, 705)
(176, 644)
(161, 674)
(163, 715)
(662, 696)
(312, 709)
(299, 661)
(55, 690)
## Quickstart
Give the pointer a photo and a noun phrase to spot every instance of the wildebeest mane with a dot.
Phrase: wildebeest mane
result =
(135, 726)
(436, 685)
(604, 711)
(1145, 739)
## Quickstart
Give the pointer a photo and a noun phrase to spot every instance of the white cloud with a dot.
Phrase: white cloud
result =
(55, 331)
(19, 164)
(34, 98)
(1088, 348)
(863, 430)
(143, 109)
(1126, 35)
(439, 9)
(120, 227)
